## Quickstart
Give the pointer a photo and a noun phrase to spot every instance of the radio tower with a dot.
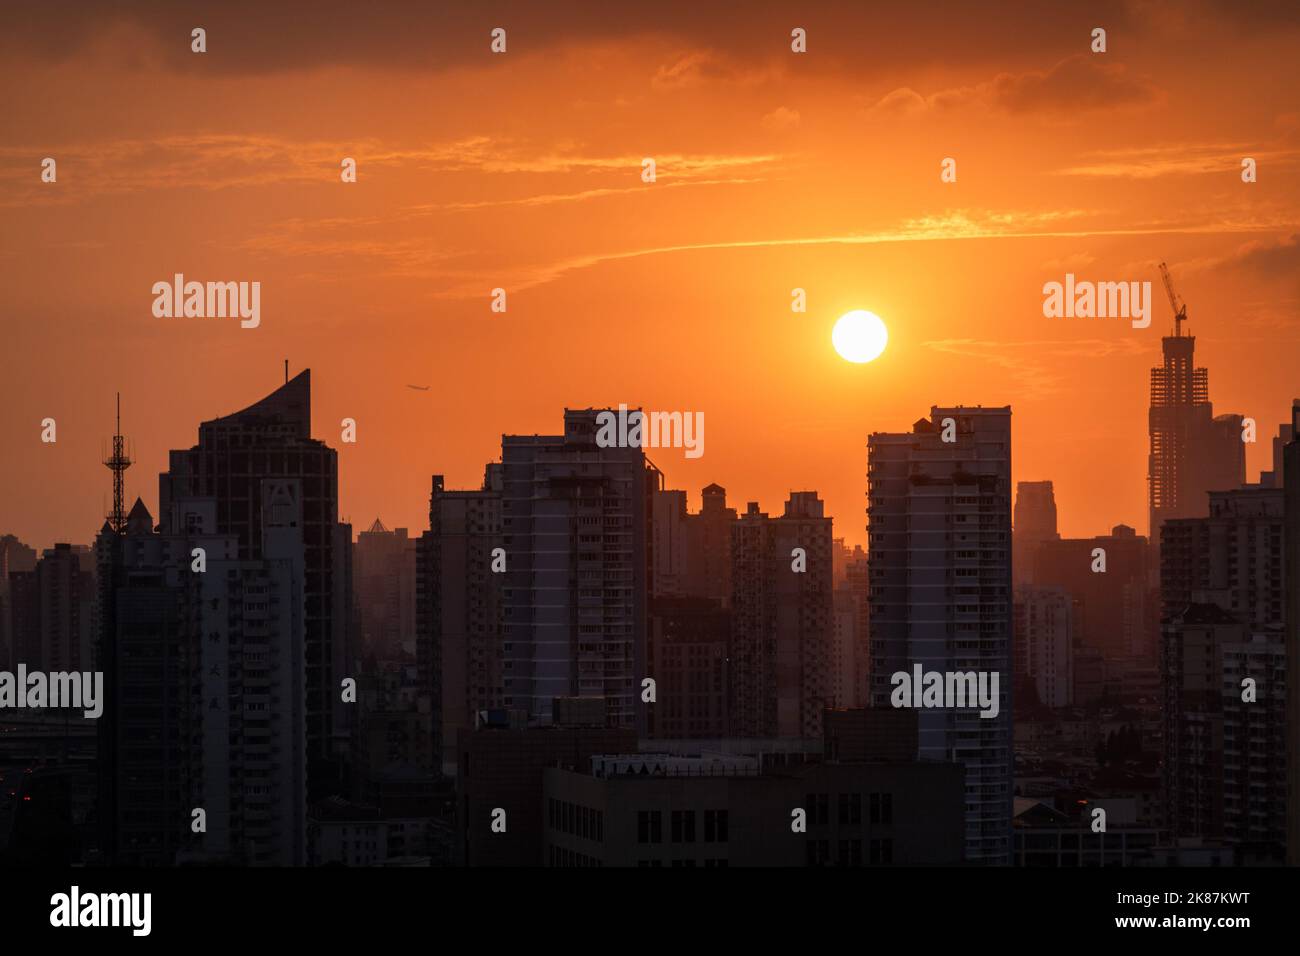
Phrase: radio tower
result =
(118, 463)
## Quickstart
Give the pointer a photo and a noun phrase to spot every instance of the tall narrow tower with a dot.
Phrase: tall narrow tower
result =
(1191, 451)
(118, 462)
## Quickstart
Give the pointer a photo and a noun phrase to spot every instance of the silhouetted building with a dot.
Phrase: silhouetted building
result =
(1232, 558)
(236, 457)
(687, 657)
(203, 656)
(1044, 643)
(14, 557)
(383, 577)
(1226, 757)
(1047, 836)
(1034, 522)
(1116, 612)
(870, 735)
(460, 609)
(939, 513)
(668, 542)
(1192, 452)
(708, 546)
(574, 529)
(782, 624)
(1291, 483)
(499, 786)
(51, 611)
(724, 810)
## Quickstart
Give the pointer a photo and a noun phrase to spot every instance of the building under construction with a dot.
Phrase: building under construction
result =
(1192, 452)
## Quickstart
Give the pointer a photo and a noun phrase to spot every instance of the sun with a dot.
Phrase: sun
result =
(859, 336)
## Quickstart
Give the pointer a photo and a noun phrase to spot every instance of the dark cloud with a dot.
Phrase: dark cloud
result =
(1278, 259)
(255, 36)
(1077, 83)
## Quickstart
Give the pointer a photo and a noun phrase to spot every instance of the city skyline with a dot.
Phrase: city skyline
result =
(575, 435)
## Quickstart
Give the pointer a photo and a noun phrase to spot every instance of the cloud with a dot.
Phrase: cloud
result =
(227, 161)
(1076, 84)
(1178, 159)
(1274, 259)
(726, 39)
(781, 118)
(1026, 361)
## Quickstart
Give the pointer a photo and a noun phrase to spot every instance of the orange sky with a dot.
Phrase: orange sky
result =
(523, 171)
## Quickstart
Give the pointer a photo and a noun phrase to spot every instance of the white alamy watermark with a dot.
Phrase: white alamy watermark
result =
(36, 689)
(1098, 300)
(74, 908)
(208, 300)
(946, 689)
(638, 429)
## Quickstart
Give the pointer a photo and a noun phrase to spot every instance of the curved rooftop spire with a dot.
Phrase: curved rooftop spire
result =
(288, 406)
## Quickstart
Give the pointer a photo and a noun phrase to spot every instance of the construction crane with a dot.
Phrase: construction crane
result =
(1179, 307)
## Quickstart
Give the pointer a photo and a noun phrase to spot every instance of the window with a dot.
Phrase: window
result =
(819, 808)
(882, 808)
(850, 853)
(715, 826)
(882, 851)
(649, 826)
(850, 808)
(683, 826)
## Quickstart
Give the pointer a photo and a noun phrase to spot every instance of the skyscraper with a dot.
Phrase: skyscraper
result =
(236, 456)
(1222, 578)
(14, 557)
(52, 610)
(1116, 612)
(574, 530)
(1192, 452)
(384, 589)
(708, 546)
(1044, 643)
(1034, 523)
(939, 552)
(1291, 487)
(202, 653)
(782, 625)
(459, 611)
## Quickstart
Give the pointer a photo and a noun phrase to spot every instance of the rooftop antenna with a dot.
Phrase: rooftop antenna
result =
(118, 463)
(286, 371)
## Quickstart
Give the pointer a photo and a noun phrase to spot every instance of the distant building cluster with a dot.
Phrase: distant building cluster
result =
(569, 667)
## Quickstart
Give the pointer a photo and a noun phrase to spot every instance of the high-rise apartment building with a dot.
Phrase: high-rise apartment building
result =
(1116, 613)
(236, 457)
(383, 577)
(574, 529)
(459, 610)
(205, 705)
(15, 557)
(1044, 643)
(782, 625)
(1034, 522)
(51, 610)
(1223, 578)
(708, 546)
(939, 553)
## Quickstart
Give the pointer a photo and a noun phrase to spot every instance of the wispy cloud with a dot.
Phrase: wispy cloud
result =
(1029, 363)
(1074, 85)
(232, 161)
(1177, 159)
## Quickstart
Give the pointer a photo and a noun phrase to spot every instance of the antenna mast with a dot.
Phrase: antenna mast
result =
(118, 463)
